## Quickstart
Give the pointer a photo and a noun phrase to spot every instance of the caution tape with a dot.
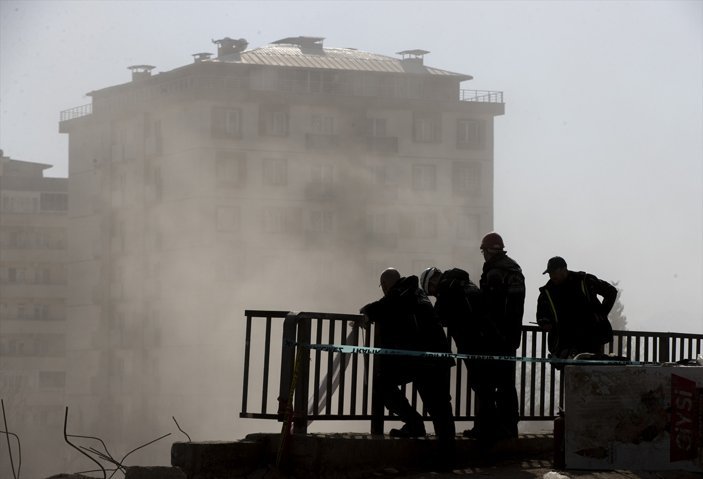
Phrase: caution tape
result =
(351, 349)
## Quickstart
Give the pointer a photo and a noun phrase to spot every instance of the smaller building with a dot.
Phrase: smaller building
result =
(33, 215)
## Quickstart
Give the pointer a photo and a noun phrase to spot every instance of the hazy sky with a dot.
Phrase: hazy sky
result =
(599, 157)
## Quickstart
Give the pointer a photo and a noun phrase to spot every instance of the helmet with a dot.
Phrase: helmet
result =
(426, 276)
(493, 242)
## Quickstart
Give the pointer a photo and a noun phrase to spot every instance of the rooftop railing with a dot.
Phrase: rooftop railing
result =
(76, 112)
(481, 96)
(339, 386)
(478, 96)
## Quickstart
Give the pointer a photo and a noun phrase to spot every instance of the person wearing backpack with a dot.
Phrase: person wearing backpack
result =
(502, 287)
(569, 308)
(406, 320)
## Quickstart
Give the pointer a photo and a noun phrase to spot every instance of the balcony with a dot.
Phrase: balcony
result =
(317, 141)
(382, 144)
(481, 96)
(77, 112)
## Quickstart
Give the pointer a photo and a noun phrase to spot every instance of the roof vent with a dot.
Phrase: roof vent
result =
(141, 72)
(201, 57)
(413, 56)
(227, 46)
(306, 44)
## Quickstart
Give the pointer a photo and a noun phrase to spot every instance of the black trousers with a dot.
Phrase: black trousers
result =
(433, 384)
(497, 412)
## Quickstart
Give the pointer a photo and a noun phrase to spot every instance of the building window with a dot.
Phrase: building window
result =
(427, 127)
(226, 122)
(322, 221)
(376, 127)
(471, 134)
(467, 227)
(377, 225)
(420, 226)
(275, 171)
(52, 379)
(53, 201)
(228, 218)
(283, 220)
(425, 226)
(323, 125)
(230, 168)
(322, 174)
(424, 177)
(466, 179)
(273, 120)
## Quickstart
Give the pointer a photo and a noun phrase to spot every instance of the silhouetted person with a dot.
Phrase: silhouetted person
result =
(503, 291)
(569, 308)
(459, 308)
(406, 320)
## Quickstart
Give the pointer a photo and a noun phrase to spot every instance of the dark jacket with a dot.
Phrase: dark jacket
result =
(579, 320)
(459, 309)
(503, 289)
(406, 320)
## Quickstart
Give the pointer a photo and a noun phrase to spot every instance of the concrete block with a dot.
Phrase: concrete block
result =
(154, 472)
(217, 459)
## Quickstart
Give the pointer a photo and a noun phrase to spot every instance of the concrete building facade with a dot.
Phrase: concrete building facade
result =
(281, 177)
(33, 288)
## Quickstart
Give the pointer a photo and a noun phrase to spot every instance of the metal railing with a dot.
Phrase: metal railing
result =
(481, 96)
(339, 386)
(76, 112)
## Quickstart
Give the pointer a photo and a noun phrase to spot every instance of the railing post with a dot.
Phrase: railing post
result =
(664, 354)
(300, 409)
(376, 396)
(290, 326)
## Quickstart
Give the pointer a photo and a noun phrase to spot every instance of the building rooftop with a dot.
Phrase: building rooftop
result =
(309, 52)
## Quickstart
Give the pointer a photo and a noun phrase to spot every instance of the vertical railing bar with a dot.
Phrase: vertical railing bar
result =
(561, 390)
(457, 389)
(690, 349)
(267, 357)
(330, 368)
(300, 406)
(629, 346)
(638, 347)
(552, 385)
(318, 361)
(355, 370)
(342, 370)
(247, 353)
(674, 351)
(522, 373)
(533, 374)
(543, 371)
(367, 373)
(469, 402)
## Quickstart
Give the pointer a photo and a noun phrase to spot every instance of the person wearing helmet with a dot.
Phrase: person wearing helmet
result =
(503, 291)
(405, 320)
(458, 307)
(569, 308)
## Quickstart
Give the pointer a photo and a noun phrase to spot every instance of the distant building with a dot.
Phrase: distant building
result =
(33, 249)
(286, 176)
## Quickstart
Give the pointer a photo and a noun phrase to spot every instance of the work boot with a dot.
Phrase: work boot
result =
(416, 430)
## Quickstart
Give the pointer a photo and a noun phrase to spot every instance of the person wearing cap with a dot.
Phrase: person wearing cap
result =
(570, 308)
(502, 287)
(405, 320)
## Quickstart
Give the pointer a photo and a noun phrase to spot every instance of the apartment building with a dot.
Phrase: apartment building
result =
(286, 176)
(33, 249)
